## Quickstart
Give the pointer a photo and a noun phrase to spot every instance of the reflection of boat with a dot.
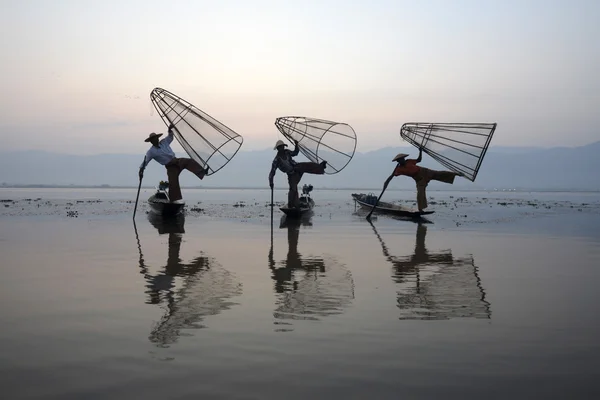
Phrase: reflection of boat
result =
(436, 285)
(187, 291)
(167, 225)
(295, 222)
(306, 204)
(368, 200)
(308, 287)
(161, 205)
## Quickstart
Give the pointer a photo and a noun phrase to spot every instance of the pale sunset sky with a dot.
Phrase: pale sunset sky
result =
(77, 75)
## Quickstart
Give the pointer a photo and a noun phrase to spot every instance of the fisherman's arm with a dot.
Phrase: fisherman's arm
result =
(398, 170)
(296, 149)
(169, 137)
(420, 155)
(387, 181)
(147, 158)
(143, 166)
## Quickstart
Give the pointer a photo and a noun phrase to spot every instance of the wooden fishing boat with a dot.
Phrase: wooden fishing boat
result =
(368, 200)
(306, 204)
(160, 203)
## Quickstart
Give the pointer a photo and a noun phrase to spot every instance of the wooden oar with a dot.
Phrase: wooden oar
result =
(385, 185)
(138, 193)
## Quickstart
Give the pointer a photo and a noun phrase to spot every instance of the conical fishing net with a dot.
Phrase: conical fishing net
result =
(458, 146)
(206, 140)
(320, 140)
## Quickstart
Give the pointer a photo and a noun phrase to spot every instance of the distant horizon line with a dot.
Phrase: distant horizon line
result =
(463, 189)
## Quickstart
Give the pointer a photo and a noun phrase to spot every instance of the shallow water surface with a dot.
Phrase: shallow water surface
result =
(223, 304)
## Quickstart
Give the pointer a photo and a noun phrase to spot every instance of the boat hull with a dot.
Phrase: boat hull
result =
(388, 208)
(306, 206)
(165, 208)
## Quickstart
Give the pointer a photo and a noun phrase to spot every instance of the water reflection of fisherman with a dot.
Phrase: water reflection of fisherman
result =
(455, 291)
(164, 282)
(320, 290)
(205, 290)
(283, 276)
(421, 256)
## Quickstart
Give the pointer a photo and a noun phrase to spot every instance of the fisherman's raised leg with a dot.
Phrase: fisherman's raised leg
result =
(311, 167)
(444, 176)
(193, 167)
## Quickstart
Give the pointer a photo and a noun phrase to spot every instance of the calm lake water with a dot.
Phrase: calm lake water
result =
(496, 296)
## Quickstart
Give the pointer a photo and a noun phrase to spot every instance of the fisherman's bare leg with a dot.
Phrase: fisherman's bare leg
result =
(293, 181)
(173, 172)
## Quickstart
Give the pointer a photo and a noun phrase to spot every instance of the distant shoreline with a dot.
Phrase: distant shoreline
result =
(375, 189)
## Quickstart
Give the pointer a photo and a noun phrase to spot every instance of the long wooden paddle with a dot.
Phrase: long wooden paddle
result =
(385, 185)
(272, 204)
(138, 192)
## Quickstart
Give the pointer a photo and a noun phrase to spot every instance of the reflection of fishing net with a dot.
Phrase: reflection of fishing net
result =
(320, 140)
(206, 140)
(436, 285)
(443, 291)
(207, 292)
(321, 288)
(458, 146)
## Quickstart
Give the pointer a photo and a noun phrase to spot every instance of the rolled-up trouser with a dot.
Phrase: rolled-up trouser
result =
(174, 168)
(294, 179)
(423, 177)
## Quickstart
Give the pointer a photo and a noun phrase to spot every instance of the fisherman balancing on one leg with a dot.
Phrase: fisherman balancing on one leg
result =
(286, 164)
(421, 175)
(163, 154)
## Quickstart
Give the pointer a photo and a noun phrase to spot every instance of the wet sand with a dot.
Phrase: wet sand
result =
(495, 296)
